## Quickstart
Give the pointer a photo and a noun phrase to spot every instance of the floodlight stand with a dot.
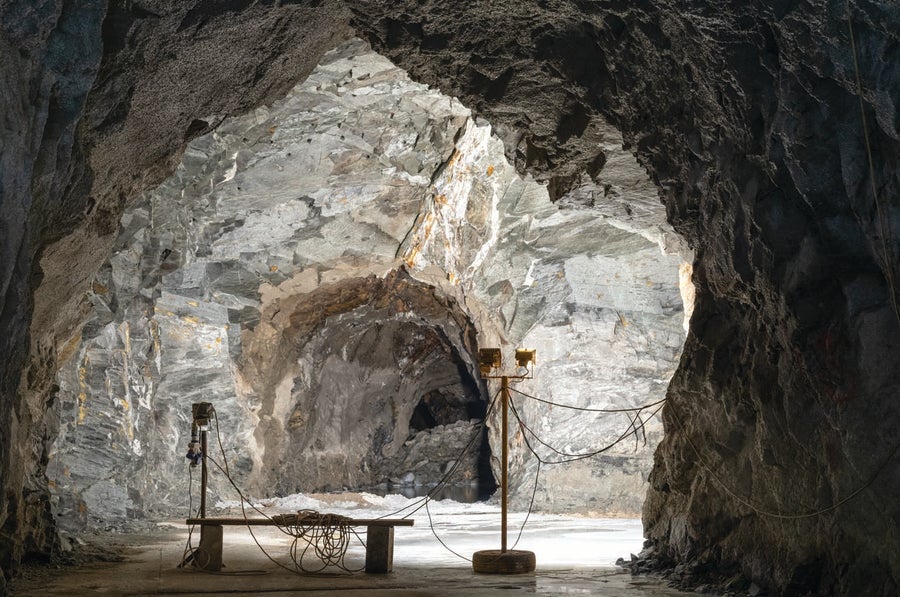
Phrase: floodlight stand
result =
(504, 561)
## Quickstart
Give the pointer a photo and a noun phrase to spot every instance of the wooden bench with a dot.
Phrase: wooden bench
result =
(379, 542)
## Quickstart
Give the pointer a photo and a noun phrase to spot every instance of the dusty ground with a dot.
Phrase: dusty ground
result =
(149, 562)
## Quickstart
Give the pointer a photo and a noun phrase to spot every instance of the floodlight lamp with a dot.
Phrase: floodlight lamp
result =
(524, 356)
(201, 413)
(488, 359)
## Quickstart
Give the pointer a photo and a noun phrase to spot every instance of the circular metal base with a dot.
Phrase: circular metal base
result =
(494, 561)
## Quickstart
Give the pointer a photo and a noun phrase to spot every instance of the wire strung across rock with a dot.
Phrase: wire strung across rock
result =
(327, 534)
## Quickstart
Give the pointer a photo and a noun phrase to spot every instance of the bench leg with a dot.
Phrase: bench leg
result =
(209, 555)
(380, 549)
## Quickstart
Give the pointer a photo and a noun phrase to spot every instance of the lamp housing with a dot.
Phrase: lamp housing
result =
(525, 356)
(489, 359)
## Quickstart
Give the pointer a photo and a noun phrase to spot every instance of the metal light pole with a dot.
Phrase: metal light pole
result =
(203, 473)
(504, 455)
(208, 555)
(201, 412)
(504, 561)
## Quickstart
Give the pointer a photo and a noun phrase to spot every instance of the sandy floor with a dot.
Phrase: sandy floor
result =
(150, 568)
(574, 556)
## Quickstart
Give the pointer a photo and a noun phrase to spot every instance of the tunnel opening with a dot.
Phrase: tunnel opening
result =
(422, 417)
(445, 406)
(449, 406)
(330, 270)
(369, 375)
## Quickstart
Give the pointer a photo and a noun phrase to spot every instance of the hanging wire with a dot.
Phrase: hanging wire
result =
(883, 213)
(537, 476)
(328, 535)
(633, 428)
(441, 541)
(591, 410)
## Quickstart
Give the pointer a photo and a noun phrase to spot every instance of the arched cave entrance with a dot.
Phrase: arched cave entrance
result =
(362, 376)
(326, 266)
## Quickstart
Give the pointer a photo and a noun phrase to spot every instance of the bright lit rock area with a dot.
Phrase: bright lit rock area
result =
(314, 215)
(322, 271)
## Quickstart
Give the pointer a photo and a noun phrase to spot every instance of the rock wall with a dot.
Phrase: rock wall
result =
(779, 460)
(319, 267)
(99, 100)
(747, 116)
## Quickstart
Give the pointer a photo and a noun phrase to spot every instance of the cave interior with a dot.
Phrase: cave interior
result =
(313, 214)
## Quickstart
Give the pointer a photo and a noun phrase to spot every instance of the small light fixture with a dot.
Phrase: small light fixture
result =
(489, 359)
(524, 356)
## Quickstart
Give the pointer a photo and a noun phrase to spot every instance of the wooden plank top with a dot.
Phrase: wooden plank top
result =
(368, 522)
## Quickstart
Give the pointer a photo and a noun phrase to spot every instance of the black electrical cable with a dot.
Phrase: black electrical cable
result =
(572, 457)
(882, 212)
(537, 476)
(294, 531)
(327, 534)
(590, 410)
(441, 541)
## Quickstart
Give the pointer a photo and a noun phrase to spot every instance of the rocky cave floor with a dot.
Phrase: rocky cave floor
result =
(144, 564)
(575, 556)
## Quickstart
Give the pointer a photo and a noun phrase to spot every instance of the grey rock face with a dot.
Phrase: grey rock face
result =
(435, 452)
(320, 268)
(98, 99)
(748, 117)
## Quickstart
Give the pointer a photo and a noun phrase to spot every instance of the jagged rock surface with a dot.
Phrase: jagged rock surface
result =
(432, 453)
(99, 100)
(748, 117)
(317, 269)
(746, 114)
